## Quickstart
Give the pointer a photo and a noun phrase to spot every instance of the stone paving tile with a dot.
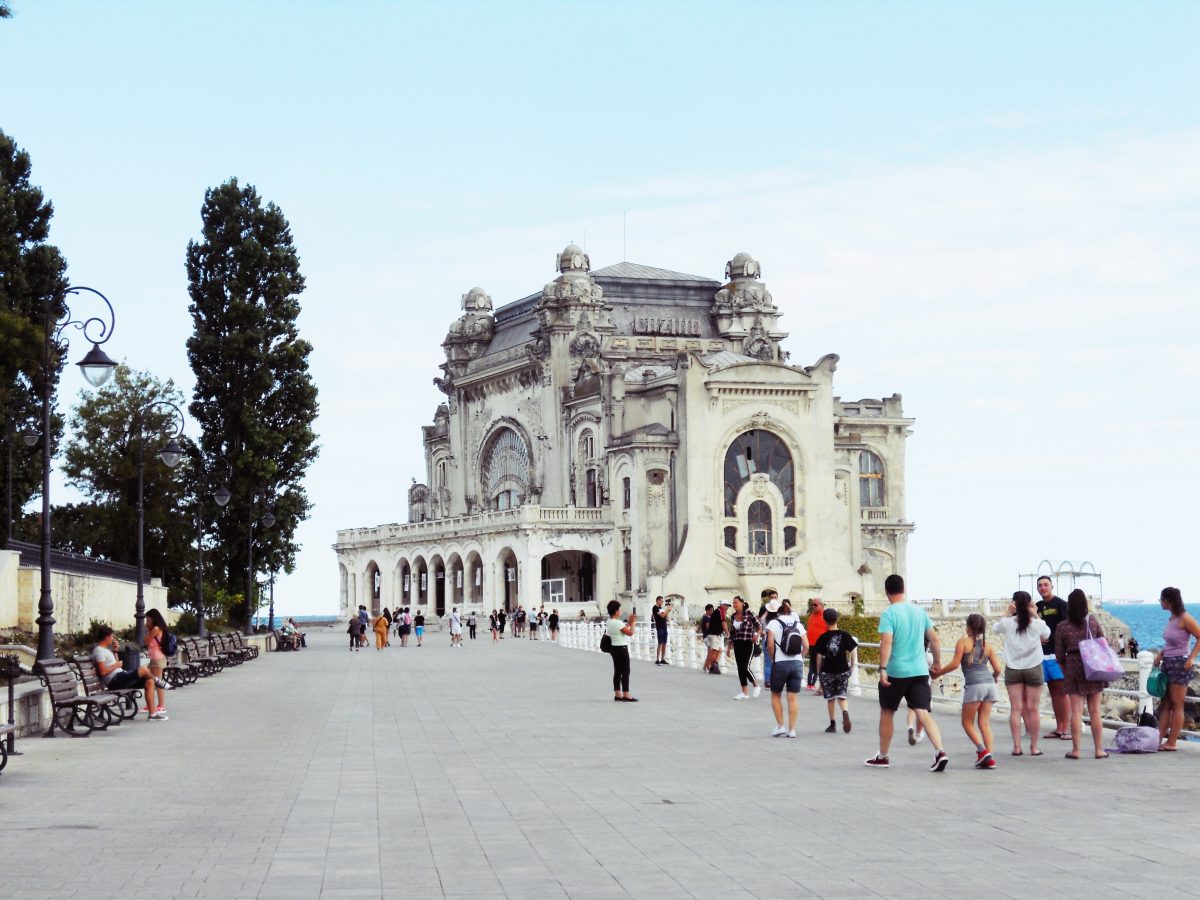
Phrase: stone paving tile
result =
(508, 772)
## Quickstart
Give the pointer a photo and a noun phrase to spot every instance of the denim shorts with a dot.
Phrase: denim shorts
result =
(789, 674)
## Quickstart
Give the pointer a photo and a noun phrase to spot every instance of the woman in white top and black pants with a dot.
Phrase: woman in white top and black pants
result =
(1023, 675)
(619, 633)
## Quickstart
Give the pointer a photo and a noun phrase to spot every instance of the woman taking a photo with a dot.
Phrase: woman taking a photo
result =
(744, 633)
(1176, 662)
(1023, 634)
(1080, 626)
(619, 634)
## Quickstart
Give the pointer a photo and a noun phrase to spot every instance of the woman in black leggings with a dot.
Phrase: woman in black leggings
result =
(744, 634)
(619, 633)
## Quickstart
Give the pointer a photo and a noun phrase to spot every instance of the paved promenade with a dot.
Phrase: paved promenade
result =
(507, 771)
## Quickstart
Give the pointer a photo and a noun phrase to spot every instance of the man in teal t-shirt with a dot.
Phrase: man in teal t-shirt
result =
(904, 671)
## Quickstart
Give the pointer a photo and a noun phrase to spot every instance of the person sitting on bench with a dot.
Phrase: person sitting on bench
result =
(298, 636)
(110, 669)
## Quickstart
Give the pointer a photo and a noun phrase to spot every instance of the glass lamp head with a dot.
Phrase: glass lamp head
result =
(97, 367)
(171, 454)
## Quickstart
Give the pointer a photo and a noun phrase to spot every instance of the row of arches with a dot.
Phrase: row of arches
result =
(437, 583)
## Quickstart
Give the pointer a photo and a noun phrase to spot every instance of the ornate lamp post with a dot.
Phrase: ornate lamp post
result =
(221, 496)
(97, 368)
(170, 455)
(267, 521)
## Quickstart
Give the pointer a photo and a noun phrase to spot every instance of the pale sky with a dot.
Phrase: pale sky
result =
(992, 209)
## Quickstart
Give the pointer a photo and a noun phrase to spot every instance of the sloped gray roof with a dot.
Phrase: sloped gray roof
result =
(722, 359)
(646, 273)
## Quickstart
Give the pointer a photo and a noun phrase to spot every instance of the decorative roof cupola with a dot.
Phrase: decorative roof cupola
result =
(468, 337)
(744, 311)
(572, 311)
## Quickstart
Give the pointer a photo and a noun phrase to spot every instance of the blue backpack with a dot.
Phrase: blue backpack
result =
(170, 646)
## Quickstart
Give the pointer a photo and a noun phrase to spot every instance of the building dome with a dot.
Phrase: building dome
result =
(573, 259)
(743, 265)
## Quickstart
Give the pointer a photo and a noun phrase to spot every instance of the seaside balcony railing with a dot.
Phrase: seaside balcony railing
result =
(685, 649)
(529, 515)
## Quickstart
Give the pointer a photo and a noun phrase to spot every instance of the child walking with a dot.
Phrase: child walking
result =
(979, 690)
(834, 657)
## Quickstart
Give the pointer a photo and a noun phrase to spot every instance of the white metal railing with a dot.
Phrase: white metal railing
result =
(685, 649)
(1145, 664)
(874, 513)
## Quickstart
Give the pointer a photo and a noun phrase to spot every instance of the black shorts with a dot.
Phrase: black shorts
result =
(661, 634)
(123, 680)
(914, 691)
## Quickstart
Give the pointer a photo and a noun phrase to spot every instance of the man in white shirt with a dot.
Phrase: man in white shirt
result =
(455, 628)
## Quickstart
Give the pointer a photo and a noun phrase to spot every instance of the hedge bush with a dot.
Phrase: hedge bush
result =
(864, 628)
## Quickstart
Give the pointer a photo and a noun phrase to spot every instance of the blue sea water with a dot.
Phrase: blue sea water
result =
(1145, 620)
(300, 620)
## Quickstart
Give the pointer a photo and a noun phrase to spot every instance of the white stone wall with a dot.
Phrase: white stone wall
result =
(77, 598)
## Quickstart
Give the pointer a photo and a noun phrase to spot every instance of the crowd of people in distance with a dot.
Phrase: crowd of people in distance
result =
(1042, 643)
(540, 625)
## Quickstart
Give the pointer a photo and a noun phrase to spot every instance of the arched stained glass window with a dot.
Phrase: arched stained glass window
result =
(759, 451)
(872, 491)
(759, 520)
(505, 470)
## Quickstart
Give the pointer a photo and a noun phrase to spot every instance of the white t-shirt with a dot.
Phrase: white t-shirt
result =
(776, 628)
(1022, 651)
(106, 656)
(455, 624)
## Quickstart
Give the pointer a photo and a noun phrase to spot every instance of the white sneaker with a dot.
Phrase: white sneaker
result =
(791, 733)
(757, 690)
(162, 717)
(740, 697)
(779, 731)
(920, 736)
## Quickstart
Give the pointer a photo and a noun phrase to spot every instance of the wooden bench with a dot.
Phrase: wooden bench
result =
(180, 672)
(198, 654)
(239, 642)
(93, 686)
(77, 716)
(283, 642)
(5, 730)
(224, 648)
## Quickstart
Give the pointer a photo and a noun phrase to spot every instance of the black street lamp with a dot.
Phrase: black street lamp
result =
(97, 368)
(221, 496)
(170, 455)
(267, 521)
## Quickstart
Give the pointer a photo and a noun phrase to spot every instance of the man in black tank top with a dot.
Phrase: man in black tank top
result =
(1053, 611)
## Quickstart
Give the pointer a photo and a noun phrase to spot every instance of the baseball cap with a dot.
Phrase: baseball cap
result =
(725, 603)
(773, 605)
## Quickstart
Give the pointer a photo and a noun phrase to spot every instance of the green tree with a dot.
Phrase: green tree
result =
(32, 278)
(255, 400)
(110, 427)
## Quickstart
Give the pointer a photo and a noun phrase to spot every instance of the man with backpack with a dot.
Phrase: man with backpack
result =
(787, 646)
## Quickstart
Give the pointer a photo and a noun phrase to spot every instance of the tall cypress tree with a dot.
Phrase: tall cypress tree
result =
(32, 277)
(255, 401)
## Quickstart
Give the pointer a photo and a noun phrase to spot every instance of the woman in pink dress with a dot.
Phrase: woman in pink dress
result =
(156, 637)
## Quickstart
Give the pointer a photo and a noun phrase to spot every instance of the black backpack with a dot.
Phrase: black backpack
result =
(606, 644)
(791, 641)
(170, 646)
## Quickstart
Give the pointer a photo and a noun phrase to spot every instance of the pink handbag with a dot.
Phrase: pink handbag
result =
(1100, 661)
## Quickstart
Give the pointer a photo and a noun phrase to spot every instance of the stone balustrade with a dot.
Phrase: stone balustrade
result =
(475, 523)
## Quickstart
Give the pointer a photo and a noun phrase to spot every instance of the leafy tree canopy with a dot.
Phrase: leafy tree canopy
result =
(255, 401)
(32, 278)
